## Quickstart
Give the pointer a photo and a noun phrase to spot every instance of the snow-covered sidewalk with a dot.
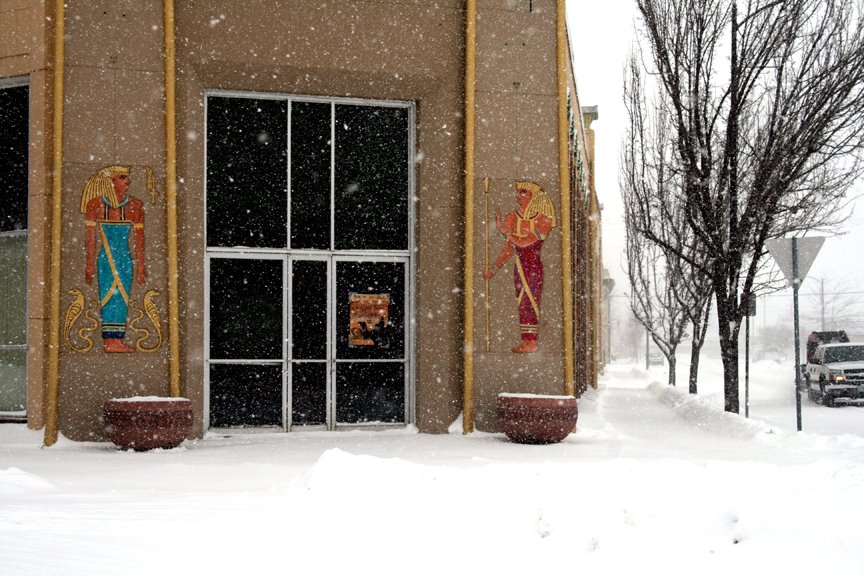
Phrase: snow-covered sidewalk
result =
(654, 479)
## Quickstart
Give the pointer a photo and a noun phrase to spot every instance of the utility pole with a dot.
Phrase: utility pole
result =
(647, 342)
(796, 283)
(733, 131)
(822, 302)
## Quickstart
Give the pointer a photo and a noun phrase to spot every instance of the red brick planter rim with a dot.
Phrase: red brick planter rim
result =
(523, 395)
(138, 402)
(147, 422)
(510, 399)
(536, 418)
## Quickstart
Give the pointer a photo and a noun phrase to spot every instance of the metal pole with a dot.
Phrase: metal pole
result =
(822, 302)
(647, 341)
(747, 363)
(795, 283)
(733, 131)
(609, 328)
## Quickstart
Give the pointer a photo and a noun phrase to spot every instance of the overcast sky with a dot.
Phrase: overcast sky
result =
(602, 34)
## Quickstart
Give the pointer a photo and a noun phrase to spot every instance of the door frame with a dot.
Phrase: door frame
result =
(17, 416)
(287, 255)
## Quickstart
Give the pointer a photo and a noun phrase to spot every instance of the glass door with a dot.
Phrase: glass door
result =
(309, 244)
(246, 340)
(371, 341)
(348, 347)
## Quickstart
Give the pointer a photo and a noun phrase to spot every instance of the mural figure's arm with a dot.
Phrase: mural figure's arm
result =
(505, 226)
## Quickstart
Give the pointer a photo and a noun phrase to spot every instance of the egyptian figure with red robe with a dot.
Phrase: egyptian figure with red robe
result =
(524, 231)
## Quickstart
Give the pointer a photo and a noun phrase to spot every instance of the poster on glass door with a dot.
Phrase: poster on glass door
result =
(369, 320)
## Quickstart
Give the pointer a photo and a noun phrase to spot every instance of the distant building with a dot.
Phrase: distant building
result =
(312, 191)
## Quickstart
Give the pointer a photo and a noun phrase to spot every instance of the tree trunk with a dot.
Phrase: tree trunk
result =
(694, 367)
(700, 328)
(672, 365)
(728, 328)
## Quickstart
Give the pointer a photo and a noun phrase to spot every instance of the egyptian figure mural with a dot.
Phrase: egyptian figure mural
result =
(112, 217)
(524, 231)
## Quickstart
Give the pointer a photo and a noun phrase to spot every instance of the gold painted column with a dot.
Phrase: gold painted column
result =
(468, 345)
(564, 179)
(171, 202)
(53, 396)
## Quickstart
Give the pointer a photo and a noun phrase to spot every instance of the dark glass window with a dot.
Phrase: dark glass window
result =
(245, 309)
(245, 395)
(13, 292)
(309, 393)
(247, 172)
(309, 314)
(370, 392)
(14, 133)
(310, 175)
(14, 136)
(386, 279)
(13, 387)
(371, 182)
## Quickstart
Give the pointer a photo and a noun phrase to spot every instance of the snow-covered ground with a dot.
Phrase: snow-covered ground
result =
(654, 481)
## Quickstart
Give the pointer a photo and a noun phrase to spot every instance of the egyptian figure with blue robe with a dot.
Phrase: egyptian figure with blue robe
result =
(112, 219)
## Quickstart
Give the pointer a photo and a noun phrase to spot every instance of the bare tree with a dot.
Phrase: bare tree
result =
(835, 305)
(768, 145)
(652, 297)
(695, 299)
(666, 286)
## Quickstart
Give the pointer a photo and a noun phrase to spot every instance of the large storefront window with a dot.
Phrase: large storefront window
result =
(309, 263)
(14, 131)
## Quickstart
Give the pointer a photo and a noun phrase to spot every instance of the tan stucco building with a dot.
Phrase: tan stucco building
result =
(313, 194)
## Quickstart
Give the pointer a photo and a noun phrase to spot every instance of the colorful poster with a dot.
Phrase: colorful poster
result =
(368, 320)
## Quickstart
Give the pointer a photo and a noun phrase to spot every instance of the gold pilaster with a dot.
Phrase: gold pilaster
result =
(51, 431)
(468, 347)
(171, 202)
(564, 179)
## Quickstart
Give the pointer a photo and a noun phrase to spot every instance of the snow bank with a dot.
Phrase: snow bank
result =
(706, 415)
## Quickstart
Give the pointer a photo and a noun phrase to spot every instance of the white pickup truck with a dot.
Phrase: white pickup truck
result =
(835, 374)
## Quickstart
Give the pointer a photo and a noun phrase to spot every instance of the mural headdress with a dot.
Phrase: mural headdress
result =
(540, 203)
(101, 185)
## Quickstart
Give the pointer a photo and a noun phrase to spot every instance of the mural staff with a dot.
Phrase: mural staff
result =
(524, 231)
(110, 215)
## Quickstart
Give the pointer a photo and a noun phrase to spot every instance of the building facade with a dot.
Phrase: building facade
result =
(285, 211)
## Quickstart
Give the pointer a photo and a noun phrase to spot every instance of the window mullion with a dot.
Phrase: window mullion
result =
(333, 176)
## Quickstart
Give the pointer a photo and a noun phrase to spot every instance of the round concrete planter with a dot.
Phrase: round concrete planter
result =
(536, 419)
(145, 423)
